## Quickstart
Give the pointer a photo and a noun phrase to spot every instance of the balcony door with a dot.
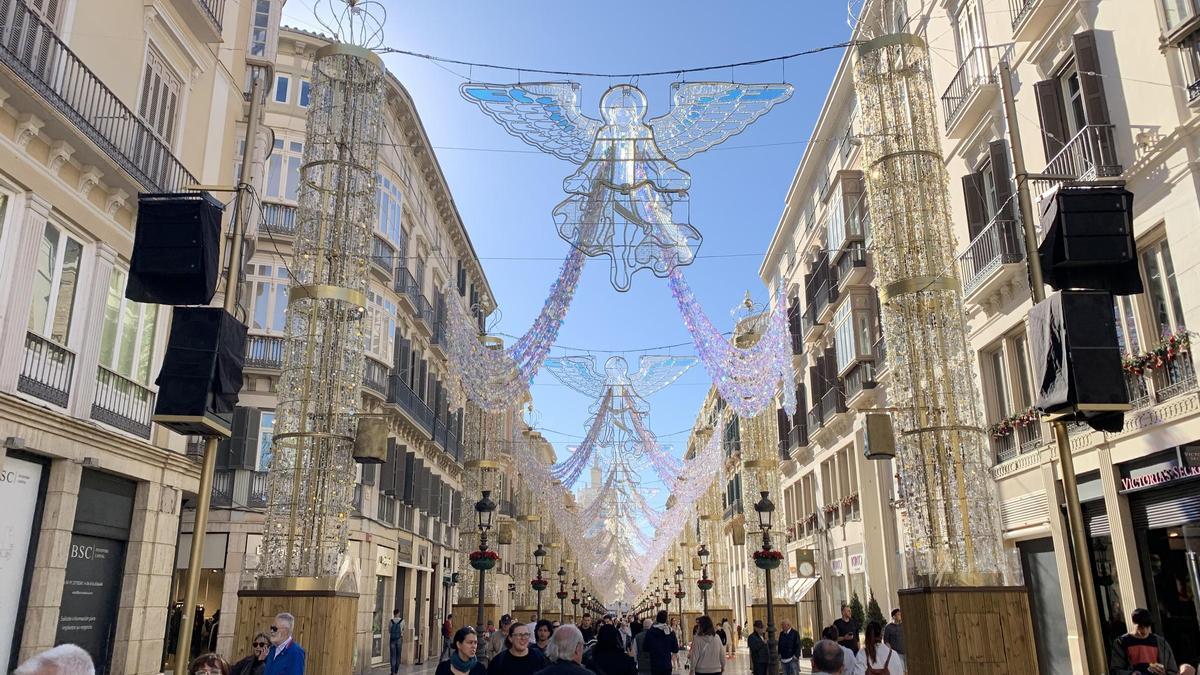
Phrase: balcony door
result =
(968, 29)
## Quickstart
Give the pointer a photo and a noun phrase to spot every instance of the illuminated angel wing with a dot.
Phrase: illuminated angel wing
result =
(704, 114)
(543, 114)
(578, 373)
(656, 372)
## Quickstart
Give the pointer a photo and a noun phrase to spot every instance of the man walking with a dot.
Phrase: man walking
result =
(727, 629)
(661, 643)
(285, 657)
(1143, 652)
(447, 633)
(828, 658)
(760, 656)
(395, 637)
(639, 647)
(893, 634)
(789, 649)
(847, 629)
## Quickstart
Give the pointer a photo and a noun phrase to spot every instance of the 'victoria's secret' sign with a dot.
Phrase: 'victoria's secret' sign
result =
(1168, 469)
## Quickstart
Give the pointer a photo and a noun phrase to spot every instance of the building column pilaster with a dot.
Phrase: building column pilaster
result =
(50, 564)
(17, 276)
(880, 546)
(91, 321)
(1063, 563)
(1124, 543)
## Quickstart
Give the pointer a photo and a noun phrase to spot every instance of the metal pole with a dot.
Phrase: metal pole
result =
(479, 605)
(539, 605)
(1082, 584)
(704, 595)
(233, 277)
(772, 644)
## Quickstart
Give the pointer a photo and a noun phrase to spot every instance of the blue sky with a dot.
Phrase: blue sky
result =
(505, 190)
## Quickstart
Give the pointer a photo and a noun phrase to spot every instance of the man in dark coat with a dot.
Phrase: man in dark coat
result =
(661, 644)
(789, 649)
(565, 653)
(760, 656)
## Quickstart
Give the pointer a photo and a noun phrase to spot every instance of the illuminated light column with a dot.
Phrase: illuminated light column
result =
(953, 529)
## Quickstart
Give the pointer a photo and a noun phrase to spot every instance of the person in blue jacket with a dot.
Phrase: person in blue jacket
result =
(285, 657)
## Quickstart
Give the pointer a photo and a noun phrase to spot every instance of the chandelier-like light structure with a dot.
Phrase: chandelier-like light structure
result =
(952, 514)
(628, 199)
(312, 474)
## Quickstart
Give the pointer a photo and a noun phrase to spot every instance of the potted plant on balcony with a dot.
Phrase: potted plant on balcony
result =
(767, 559)
(483, 559)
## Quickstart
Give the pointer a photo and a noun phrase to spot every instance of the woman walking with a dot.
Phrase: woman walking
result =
(257, 661)
(707, 655)
(462, 661)
(876, 658)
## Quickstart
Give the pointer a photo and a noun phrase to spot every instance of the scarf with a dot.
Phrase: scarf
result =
(460, 665)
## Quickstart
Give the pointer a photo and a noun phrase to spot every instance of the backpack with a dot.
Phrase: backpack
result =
(396, 629)
(879, 671)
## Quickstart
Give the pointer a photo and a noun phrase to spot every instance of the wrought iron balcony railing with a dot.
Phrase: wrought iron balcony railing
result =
(425, 312)
(403, 396)
(31, 49)
(1175, 378)
(258, 490)
(375, 376)
(1023, 440)
(859, 379)
(1000, 243)
(383, 256)
(122, 403)
(1089, 156)
(1019, 9)
(222, 487)
(264, 351)
(832, 403)
(979, 68)
(279, 218)
(46, 370)
(879, 351)
(815, 419)
(215, 9)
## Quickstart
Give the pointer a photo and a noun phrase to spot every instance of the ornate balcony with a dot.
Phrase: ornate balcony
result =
(383, 257)
(860, 380)
(35, 54)
(403, 397)
(46, 370)
(852, 265)
(1023, 440)
(257, 498)
(279, 219)
(879, 351)
(222, 487)
(992, 258)
(1030, 17)
(1176, 378)
(1089, 156)
(264, 352)
(203, 16)
(425, 313)
(122, 403)
(375, 376)
(972, 90)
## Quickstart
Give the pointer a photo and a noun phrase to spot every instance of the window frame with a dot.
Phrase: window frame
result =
(1168, 285)
(279, 282)
(304, 93)
(117, 280)
(55, 288)
(155, 62)
(258, 451)
(286, 80)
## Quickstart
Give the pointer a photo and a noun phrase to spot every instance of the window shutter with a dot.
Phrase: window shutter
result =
(232, 452)
(1087, 60)
(368, 473)
(406, 485)
(390, 472)
(1002, 174)
(973, 197)
(421, 381)
(1052, 116)
(785, 428)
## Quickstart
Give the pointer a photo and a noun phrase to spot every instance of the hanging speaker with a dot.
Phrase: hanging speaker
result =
(879, 438)
(1076, 359)
(1087, 240)
(176, 249)
(371, 440)
(737, 531)
(202, 372)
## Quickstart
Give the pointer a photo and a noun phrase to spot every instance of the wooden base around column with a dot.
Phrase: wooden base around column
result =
(325, 624)
(784, 611)
(464, 615)
(979, 630)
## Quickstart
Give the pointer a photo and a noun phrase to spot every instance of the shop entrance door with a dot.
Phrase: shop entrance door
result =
(1172, 568)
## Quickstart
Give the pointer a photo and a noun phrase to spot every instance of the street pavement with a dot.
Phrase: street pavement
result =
(738, 665)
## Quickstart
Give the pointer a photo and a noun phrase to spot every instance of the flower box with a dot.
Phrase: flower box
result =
(561, 595)
(539, 584)
(767, 559)
(705, 584)
(483, 560)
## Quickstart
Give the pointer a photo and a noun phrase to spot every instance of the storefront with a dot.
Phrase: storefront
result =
(385, 567)
(206, 620)
(22, 494)
(1164, 503)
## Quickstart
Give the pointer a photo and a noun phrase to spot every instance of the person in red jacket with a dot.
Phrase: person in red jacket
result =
(1143, 652)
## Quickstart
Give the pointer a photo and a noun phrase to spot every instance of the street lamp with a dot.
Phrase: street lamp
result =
(562, 595)
(575, 600)
(767, 559)
(705, 583)
(483, 559)
(539, 584)
(679, 593)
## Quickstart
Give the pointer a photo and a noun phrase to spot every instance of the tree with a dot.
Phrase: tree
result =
(856, 608)
(874, 613)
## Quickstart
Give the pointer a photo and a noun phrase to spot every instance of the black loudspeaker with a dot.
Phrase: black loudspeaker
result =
(176, 249)
(1076, 360)
(1087, 240)
(202, 371)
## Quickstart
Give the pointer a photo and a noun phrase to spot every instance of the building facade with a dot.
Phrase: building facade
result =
(1094, 106)
(92, 489)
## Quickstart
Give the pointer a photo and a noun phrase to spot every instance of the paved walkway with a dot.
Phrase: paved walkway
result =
(738, 665)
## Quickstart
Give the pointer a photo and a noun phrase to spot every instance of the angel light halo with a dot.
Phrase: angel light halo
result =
(628, 199)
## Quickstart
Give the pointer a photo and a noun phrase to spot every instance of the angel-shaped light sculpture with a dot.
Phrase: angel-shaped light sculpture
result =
(628, 199)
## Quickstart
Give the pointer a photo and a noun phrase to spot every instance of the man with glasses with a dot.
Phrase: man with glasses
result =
(285, 656)
(256, 663)
(518, 659)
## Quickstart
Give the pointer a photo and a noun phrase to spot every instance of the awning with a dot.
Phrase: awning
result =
(797, 588)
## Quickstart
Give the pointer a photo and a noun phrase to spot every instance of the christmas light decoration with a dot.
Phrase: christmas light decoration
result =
(951, 506)
(312, 474)
(628, 199)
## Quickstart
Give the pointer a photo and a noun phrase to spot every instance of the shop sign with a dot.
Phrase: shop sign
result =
(1158, 478)
(385, 561)
(19, 482)
(404, 550)
(856, 563)
(90, 593)
(837, 565)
